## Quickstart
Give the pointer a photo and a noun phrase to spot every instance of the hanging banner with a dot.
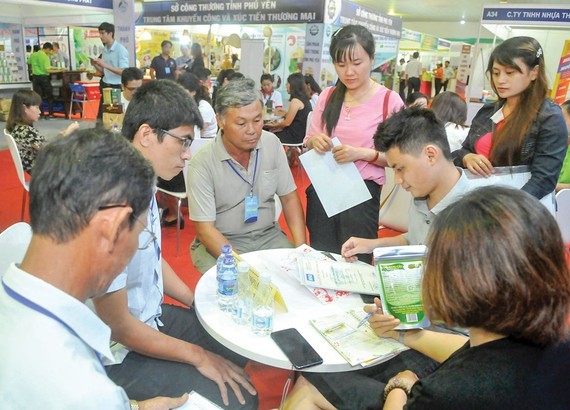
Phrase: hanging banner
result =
(233, 12)
(463, 70)
(559, 16)
(124, 17)
(560, 90)
(102, 4)
(378, 23)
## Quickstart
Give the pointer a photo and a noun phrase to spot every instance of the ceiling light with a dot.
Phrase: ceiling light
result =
(391, 12)
(462, 21)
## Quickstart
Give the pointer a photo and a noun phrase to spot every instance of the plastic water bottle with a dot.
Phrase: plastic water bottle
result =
(244, 301)
(262, 315)
(225, 250)
(227, 283)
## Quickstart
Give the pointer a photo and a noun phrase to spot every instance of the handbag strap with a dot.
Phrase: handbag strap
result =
(385, 105)
(392, 191)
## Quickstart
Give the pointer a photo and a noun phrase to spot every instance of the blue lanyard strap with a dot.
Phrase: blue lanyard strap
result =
(34, 306)
(252, 183)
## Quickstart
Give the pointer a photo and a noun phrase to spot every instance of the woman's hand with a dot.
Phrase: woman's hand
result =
(406, 377)
(478, 164)
(320, 143)
(74, 126)
(383, 325)
(346, 153)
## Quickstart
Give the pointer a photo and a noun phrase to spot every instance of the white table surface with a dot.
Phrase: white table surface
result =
(302, 306)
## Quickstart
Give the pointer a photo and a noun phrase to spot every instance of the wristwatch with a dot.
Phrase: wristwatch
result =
(396, 383)
(134, 404)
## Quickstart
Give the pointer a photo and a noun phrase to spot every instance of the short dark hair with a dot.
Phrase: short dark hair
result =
(410, 130)
(509, 276)
(203, 73)
(107, 27)
(20, 100)
(47, 46)
(450, 107)
(37, 47)
(165, 42)
(193, 84)
(162, 104)
(266, 77)
(236, 76)
(416, 54)
(413, 97)
(131, 74)
(76, 175)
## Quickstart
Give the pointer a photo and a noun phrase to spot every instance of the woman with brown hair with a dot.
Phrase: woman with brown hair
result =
(508, 282)
(24, 112)
(524, 127)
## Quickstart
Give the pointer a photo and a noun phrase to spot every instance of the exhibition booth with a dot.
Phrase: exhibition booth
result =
(549, 24)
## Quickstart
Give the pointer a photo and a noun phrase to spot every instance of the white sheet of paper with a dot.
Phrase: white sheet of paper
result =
(339, 186)
(198, 402)
(514, 177)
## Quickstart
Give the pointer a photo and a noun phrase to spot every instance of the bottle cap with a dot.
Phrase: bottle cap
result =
(243, 266)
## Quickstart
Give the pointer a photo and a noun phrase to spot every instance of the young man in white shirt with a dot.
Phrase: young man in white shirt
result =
(416, 147)
(162, 349)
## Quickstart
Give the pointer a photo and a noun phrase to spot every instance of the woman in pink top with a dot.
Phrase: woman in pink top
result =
(350, 111)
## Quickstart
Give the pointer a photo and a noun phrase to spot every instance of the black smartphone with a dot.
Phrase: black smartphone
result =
(296, 348)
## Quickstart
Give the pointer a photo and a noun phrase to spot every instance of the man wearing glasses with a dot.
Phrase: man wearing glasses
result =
(163, 348)
(52, 346)
(131, 80)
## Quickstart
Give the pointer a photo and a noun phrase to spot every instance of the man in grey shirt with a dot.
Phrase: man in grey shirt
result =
(232, 183)
(416, 147)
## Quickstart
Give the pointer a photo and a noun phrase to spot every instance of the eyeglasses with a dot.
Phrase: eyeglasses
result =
(186, 142)
(146, 236)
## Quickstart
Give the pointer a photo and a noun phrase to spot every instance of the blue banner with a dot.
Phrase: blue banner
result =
(528, 15)
(376, 22)
(234, 12)
(102, 4)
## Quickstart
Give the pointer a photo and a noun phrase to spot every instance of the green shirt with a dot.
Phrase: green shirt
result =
(40, 63)
(564, 177)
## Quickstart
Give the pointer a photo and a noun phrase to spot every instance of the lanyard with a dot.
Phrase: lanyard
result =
(34, 306)
(254, 172)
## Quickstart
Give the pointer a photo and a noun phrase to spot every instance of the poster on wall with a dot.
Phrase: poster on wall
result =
(87, 44)
(463, 69)
(148, 45)
(560, 90)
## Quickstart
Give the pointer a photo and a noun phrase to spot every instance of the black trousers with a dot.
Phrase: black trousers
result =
(42, 85)
(144, 377)
(413, 85)
(438, 85)
(363, 388)
(102, 85)
(402, 88)
(328, 234)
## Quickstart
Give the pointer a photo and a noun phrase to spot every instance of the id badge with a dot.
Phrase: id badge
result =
(251, 208)
(167, 70)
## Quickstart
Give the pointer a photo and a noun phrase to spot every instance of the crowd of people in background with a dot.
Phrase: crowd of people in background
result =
(508, 283)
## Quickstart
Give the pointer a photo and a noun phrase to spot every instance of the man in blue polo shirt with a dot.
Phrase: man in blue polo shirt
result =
(114, 59)
(163, 67)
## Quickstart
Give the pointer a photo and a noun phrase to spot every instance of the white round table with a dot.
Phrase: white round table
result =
(302, 306)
